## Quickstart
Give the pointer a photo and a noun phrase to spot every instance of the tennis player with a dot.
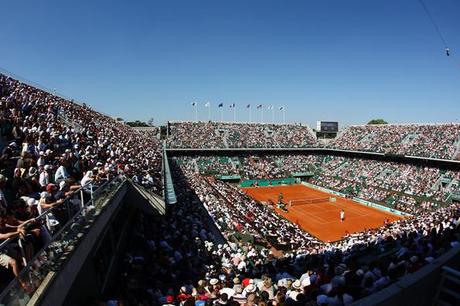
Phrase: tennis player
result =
(342, 215)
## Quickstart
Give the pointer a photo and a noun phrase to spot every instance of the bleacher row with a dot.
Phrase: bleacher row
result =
(440, 141)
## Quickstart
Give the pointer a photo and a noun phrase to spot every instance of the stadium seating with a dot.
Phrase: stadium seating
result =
(243, 268)
(440, 141)
(407, 187)
(217, 245)
(239, 135)
(52, 148)
(434, 140)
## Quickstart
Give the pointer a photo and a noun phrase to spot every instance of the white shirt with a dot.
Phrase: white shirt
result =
(61, 174)
(85, 180)
(44, 178)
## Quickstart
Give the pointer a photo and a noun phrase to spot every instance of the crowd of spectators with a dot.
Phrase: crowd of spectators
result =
(435, 141)
(216, 246)
(403, 186)
(51, 147)
(251, 271)
(239, 135)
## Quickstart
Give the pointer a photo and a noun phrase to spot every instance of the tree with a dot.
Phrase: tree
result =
(377, 121)
(137, 123)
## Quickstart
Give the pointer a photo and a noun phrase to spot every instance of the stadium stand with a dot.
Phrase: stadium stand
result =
(216, 245)
(55, 154)
(244, 268)
(239, 135)
(434, 140)
(405, 187)
(440, 141)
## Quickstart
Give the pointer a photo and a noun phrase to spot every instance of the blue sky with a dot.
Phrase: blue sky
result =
(349, 61)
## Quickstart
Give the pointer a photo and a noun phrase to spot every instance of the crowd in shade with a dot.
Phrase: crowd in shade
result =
(435, 141)
(239, 135)
(50, 148)
(261, 259)
(406, 187)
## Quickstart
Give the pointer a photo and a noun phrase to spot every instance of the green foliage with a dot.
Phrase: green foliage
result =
(137, 123)
(377, 121)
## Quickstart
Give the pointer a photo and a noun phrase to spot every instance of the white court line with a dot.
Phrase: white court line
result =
(352, 209)
(350, 218)
(318, 219)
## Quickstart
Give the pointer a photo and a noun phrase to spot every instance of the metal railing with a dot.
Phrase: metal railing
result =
(83, 206)
(154, 199)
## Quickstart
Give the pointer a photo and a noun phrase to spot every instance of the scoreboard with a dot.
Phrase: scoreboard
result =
(327, 126)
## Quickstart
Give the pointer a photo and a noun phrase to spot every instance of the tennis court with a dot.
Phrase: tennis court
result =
(322, 219)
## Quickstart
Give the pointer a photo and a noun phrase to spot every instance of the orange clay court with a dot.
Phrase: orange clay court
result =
(322, 219)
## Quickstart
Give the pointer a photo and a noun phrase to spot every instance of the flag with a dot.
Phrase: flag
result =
(259, 106)
(207, 104)
(193, 103)
(248, 106)
(232, 105)
(282, 107)
(270, 107)
(220, 105)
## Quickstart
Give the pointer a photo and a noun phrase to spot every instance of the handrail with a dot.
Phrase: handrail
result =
(146, 193)
(29, 266)
(449, 270)
(43, 215)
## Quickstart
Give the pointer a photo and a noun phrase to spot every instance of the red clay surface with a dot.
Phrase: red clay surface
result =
(323, 219)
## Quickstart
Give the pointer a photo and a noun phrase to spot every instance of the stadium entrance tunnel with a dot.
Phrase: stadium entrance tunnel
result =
(90, 271)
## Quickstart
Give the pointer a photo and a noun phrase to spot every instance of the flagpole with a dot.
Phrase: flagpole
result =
(196, 112)
(250, 114)
(234, 113)
(284, 115)
(273, 115)
(209, 111)
(222, 114)
(262, 114)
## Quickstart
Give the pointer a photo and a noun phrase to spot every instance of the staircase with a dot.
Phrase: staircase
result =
(195, 165)
(448, 293)
(457, 150)
(313, 134)
(340, 167)
(367, 137)
(436, 185)
(63, 118)
(410, 138)
(225, 138)
(269, 134)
